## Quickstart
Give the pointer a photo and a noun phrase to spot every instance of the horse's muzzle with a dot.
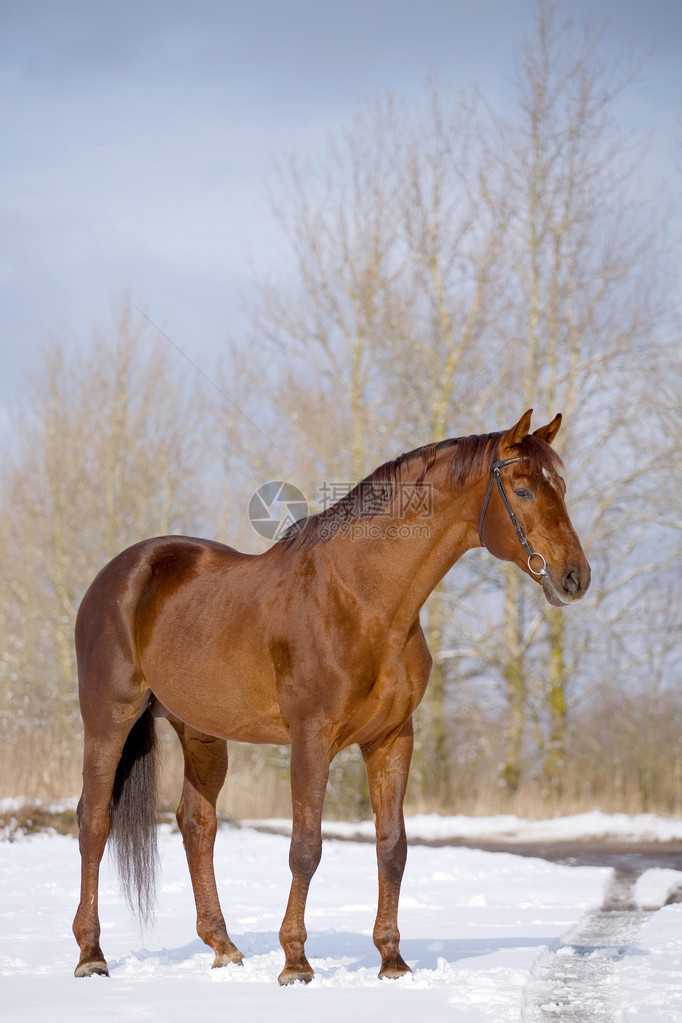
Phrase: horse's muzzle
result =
(564, 587)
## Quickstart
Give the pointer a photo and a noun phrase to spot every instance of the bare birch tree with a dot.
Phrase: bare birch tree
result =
(396, 236)
(583, 281)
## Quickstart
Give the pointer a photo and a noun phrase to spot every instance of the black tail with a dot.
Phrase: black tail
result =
(133, 818)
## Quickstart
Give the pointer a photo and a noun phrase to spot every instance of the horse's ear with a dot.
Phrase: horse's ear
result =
(518, 432)
(549, 432)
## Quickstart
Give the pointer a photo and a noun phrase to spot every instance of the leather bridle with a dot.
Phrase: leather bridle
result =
(496, 478)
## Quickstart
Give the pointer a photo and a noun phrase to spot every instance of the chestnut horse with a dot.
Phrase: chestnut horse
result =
(315, 642)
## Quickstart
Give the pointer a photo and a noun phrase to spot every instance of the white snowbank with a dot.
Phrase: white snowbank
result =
(502, 827)
(507, 828)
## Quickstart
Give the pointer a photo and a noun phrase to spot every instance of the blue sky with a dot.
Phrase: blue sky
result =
(138, 138)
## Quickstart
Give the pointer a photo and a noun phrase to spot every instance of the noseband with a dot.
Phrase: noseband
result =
(496, 478)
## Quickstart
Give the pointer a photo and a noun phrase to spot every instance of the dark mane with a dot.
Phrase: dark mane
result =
(367, 498)
(475, 455)
(472, 456)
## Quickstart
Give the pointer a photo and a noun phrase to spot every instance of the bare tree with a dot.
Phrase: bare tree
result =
(584, 295)
(396, 236)
(107, 451)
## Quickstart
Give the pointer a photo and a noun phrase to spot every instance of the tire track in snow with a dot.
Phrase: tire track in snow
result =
(576, 981)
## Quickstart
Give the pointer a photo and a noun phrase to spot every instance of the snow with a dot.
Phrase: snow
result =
(507, 828)
(651, 973)
(476, 927)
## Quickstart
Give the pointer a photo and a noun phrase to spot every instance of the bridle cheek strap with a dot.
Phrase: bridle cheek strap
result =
(497, 478)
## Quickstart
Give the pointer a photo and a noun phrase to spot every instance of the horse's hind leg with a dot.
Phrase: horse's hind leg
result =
(100, 760)
(205, 770)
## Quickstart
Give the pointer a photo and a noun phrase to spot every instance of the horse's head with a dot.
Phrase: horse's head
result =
(523, 517)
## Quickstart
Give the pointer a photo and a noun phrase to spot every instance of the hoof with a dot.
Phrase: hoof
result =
(231, 958)
(295, 974)
(92, 968)
(394, 968)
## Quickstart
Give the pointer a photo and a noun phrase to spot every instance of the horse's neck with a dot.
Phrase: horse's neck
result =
(396, 562)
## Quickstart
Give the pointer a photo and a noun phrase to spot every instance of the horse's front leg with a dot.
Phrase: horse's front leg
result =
(309, 774)
(388, 766)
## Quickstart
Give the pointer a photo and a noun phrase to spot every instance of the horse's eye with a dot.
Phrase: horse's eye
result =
(524, 493)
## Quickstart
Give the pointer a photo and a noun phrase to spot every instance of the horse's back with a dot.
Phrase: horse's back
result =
(123, 582)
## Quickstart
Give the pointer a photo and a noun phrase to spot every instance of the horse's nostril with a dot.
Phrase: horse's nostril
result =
(571, 581)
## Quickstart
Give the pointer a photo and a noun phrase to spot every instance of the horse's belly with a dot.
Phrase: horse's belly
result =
(223, 704)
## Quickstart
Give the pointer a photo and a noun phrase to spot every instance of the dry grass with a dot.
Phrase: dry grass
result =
(254, 787)
(45, 765)
(40, 763)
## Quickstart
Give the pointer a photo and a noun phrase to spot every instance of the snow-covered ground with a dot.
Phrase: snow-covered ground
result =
(483, 932)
